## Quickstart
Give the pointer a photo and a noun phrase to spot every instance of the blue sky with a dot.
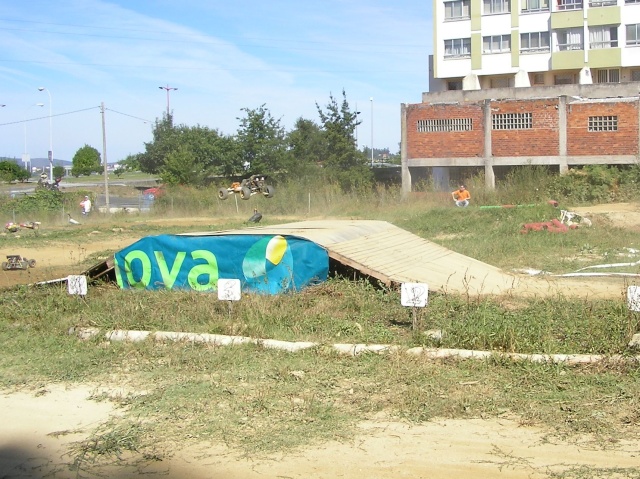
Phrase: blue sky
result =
(221, 56)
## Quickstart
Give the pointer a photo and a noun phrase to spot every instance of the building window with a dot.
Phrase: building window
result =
(603, 37)
(496, 44)
(492, 7)
(534, 42)
(635, 75)
(608, 76)
(448, 124)
(536, 6)
(569, 4)
(511, 121)
(603, 3)
(569, 39)
(501, 82)
(633, 34)
(457, 10)
(454, 85)
(631, 1)
(603, 123)
(538, 78)
(457, 47)
(564, 79)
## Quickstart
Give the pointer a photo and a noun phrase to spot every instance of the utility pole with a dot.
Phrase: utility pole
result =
(104, 159)
(371, 131)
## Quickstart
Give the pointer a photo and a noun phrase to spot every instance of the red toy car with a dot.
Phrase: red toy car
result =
(153, 193)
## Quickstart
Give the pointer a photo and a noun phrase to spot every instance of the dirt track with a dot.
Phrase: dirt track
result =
(451, 449)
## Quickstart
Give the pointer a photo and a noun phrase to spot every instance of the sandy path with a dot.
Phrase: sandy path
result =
(35, 441)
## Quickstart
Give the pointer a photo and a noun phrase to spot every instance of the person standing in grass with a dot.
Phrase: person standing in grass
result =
(461, 196)
(85, 205)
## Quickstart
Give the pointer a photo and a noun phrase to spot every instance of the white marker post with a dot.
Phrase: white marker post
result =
(229, 290)
(77, 284)
(414, 295)
(633, 298)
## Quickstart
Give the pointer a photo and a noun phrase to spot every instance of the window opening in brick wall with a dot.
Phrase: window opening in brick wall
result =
(511, 121)
(603, 123)
(457, 10)
(608, 76)
(454, 85)
(635, 75)
(447, 124)
(633, 34)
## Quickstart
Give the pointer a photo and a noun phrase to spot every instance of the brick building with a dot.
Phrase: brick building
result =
(519, 82)
(563, 126)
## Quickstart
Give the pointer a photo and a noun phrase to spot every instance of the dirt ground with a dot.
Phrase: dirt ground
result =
(38, 427)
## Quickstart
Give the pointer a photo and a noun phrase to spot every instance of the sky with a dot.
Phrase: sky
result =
(213, 58)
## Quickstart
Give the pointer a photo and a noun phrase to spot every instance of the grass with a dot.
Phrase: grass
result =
(259, 401)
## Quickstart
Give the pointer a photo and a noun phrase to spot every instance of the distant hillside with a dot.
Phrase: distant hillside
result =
(39, 162)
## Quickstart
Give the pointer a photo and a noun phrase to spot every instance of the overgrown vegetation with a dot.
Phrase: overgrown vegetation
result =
(259, 400)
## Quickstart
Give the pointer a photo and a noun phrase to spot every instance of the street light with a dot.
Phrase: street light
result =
(168, 89)
(357, 113)
(50, 155)
(371, 99)
(25, 156)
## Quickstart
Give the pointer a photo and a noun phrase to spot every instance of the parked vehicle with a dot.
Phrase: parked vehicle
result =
(255, 184)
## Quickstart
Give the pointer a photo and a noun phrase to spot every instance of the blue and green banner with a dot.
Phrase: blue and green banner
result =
(268, 264)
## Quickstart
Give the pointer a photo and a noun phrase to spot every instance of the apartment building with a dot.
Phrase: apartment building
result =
(526, 82)
(521, 43)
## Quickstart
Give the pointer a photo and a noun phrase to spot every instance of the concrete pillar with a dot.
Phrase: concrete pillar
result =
(562, 134)
(404, 166)
(489, 175)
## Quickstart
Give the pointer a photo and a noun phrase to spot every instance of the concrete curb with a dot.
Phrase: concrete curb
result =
(344, 348)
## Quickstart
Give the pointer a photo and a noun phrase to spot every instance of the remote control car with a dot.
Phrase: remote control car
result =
(15, 261)
(248, 187)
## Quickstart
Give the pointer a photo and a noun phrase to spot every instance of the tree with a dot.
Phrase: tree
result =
(343, 163)
(58, 171)
(131, 163)
(156, 151)
(11, 171)
(188, 155)
(86, 161)
(306, 145)
(262, 143)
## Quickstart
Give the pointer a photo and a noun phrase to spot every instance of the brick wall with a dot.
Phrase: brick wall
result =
(581, 141)
(540, 140)
(444, 144)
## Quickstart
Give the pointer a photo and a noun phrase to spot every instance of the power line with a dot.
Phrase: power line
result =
(130, 116)
(47, 117)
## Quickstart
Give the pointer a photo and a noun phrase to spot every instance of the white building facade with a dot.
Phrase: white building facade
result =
(482, 44)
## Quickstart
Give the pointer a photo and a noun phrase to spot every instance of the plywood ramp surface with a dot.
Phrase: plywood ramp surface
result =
(394, 255)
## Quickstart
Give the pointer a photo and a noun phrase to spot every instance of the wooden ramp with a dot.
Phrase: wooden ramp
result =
(393, 255)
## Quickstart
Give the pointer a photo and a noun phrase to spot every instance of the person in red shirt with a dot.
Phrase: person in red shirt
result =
(461, 196)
